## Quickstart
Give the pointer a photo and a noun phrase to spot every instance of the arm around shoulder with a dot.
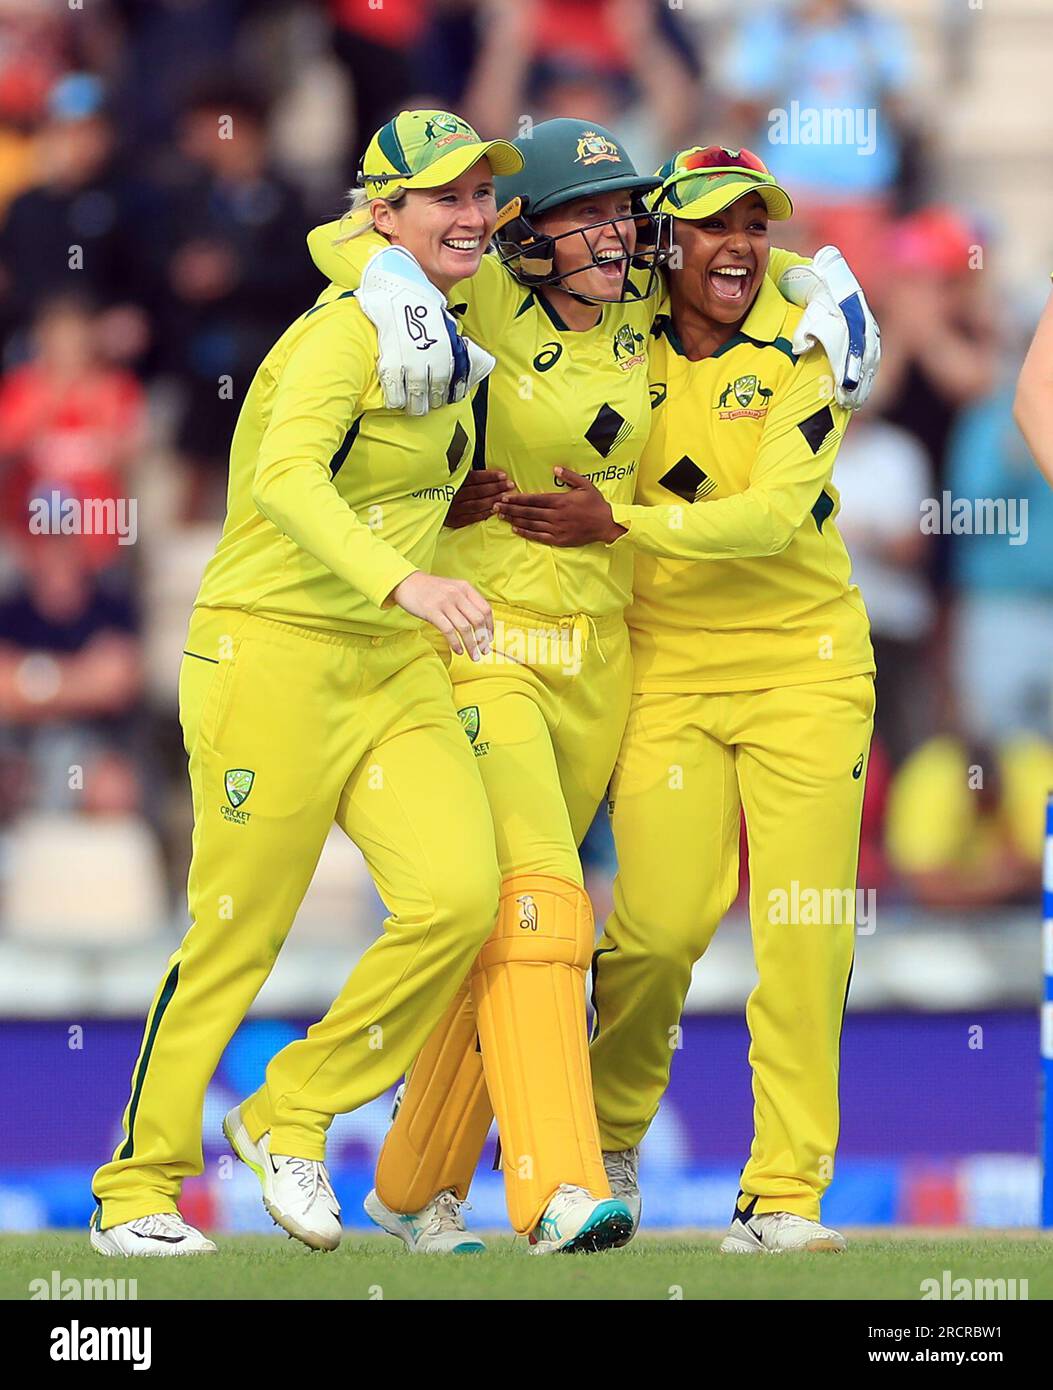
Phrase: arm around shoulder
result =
(318, 400)
(795, 457)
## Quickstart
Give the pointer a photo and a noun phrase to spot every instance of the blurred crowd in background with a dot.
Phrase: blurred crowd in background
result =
(146, 266)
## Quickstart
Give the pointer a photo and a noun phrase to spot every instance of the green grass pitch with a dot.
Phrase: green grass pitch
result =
(876, 1266)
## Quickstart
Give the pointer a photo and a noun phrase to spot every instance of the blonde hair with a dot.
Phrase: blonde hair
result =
(360, 216)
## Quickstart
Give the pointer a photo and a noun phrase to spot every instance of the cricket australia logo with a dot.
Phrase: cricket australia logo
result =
(470, 723)
(593, 147)
(237, 782)
(528, 919)
(627, 346)
(744, 389)
(443, 129)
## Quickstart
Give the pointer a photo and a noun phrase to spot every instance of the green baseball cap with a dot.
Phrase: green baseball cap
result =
(426, 149)
(706, 179)
(564, 159)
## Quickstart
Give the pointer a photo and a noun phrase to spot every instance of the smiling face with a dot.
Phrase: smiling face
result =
(574, 254)
(447, 229)
(723, 260)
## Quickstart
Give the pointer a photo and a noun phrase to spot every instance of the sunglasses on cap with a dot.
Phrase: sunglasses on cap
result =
(714, 162)
(717, 159)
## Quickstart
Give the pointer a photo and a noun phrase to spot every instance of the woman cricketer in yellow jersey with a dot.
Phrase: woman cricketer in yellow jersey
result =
(752, 688)
(545, 713)
(309, 694)
(542, 712)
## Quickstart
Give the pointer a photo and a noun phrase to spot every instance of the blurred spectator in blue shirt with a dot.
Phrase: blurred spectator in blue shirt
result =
(820, 84)
(1002, 642)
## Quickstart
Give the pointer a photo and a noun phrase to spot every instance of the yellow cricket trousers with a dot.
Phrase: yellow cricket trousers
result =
(545, 718)
(287, 729)
(551, 707)
(794, 758)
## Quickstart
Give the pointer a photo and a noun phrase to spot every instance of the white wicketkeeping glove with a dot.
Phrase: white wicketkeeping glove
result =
(423, 361)
(838, 318)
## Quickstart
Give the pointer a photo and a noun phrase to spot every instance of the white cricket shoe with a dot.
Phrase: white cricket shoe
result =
(622, 1167)
(163, 1234)
(575, 1221)
(296, 1191)
(437, 1229)
(779, 1233)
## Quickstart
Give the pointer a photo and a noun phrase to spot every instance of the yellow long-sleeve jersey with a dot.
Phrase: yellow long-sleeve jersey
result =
(332, 500)
(578, 399)
(737, 473)
(555, 397)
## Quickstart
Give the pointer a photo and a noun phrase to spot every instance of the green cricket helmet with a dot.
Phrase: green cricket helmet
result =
(564, 160)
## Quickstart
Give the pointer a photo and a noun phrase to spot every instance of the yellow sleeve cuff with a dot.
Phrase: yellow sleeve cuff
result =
(387, 576)
(622, 513)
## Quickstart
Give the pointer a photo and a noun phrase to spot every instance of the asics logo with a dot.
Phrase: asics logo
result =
(548, 356)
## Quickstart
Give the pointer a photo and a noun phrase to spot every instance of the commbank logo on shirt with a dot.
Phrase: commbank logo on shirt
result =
(455, 452)
(611, 474)
(687, 480)
(608, 430)
(446, 492)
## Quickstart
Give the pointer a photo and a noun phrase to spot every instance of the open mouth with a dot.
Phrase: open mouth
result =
(463, 246)
(611, 264)
(731, 282)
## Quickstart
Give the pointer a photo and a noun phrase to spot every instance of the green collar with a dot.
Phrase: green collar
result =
(761, 327)
(549, 312)
(534, 297)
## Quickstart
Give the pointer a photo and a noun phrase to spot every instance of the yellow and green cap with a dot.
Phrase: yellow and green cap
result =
(426, 149)
(705, 179)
